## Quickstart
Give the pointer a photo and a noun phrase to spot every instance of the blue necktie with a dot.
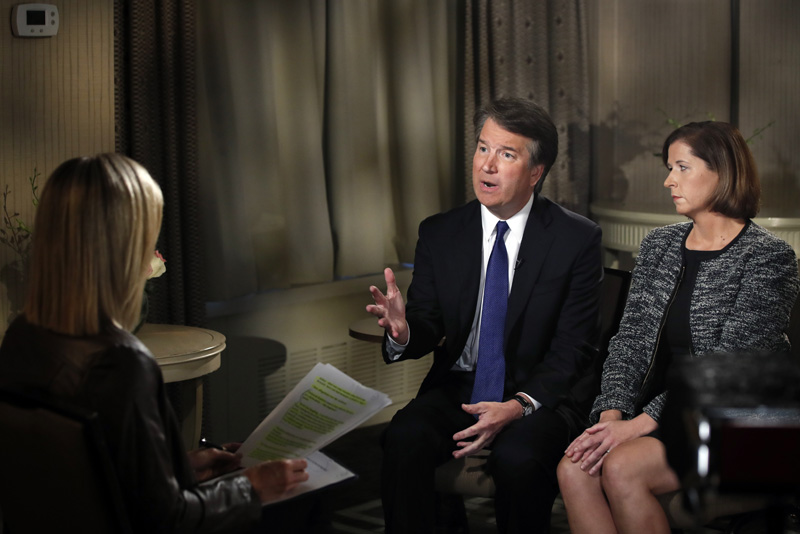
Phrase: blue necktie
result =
(491, 365)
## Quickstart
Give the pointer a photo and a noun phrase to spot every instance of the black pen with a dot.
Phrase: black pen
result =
(209, 445)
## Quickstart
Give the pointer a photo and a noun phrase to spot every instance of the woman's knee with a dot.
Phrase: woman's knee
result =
(616, 469)
(623, 471)
(568, 474)
(572, 481)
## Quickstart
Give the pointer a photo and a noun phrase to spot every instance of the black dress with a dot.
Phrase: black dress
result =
(676, 337)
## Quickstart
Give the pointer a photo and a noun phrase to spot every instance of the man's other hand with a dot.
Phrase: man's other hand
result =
(492, 418)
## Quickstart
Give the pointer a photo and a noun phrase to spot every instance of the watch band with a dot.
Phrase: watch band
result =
(527, 408)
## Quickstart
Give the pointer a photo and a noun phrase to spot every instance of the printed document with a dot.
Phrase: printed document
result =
(323, 406)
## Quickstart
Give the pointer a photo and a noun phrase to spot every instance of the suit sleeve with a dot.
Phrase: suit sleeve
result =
(423, 311)
(576, 326)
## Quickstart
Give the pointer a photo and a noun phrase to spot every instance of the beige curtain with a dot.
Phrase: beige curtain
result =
(325, 136)
(535, 50)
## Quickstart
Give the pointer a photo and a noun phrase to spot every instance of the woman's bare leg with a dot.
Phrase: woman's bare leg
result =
(633, 474)
(587, 508)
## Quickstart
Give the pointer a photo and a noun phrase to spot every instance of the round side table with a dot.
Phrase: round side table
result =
(185, 354)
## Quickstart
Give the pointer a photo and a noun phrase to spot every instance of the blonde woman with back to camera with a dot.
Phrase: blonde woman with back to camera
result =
(718, 283)
(96, 229)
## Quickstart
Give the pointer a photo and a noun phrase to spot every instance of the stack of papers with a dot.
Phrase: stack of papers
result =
(323, 406)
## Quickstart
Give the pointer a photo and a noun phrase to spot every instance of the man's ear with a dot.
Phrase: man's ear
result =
(536, 175)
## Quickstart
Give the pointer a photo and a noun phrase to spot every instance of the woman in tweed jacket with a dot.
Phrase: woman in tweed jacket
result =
(719, 283)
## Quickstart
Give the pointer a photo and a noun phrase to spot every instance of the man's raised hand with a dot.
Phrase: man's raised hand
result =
(390, 309)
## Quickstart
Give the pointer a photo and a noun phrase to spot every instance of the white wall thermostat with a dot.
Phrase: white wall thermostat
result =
(34, 20)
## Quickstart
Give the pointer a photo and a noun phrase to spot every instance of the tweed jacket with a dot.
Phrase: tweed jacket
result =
(741, 301)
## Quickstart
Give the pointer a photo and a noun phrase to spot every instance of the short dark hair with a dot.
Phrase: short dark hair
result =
(725, 151)
(526, 118)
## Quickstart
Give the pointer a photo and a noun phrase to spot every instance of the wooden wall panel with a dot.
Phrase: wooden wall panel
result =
(769, 88)
(56, 102)
(675, 55)
(652, 60)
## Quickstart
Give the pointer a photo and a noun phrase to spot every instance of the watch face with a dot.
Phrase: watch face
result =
(527, 409)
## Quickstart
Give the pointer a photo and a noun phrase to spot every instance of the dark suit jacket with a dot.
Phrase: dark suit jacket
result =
(552, 318)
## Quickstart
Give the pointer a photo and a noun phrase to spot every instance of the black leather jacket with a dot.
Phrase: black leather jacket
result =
(116, 376)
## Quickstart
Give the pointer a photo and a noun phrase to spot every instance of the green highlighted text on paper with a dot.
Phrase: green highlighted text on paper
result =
(323, 406)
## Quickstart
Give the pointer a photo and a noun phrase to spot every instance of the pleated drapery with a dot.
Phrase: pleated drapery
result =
(535, 50)
(309, 147)
(156, 111)
(327, 137)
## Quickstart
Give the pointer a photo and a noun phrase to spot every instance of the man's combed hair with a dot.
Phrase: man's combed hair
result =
(528, 119)
(724, 150)
(95, 232)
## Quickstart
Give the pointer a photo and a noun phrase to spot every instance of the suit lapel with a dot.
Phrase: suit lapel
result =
(468, 258)
(536, 242)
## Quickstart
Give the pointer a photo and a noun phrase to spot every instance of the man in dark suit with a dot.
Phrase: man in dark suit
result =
(547, 322)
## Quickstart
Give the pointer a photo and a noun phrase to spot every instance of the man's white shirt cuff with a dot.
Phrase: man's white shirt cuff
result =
(394, 349)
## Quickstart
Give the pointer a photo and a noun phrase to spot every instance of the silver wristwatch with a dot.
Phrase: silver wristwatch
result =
(527, 407)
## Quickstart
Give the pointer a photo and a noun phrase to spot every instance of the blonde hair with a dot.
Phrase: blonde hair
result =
(95, 232)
